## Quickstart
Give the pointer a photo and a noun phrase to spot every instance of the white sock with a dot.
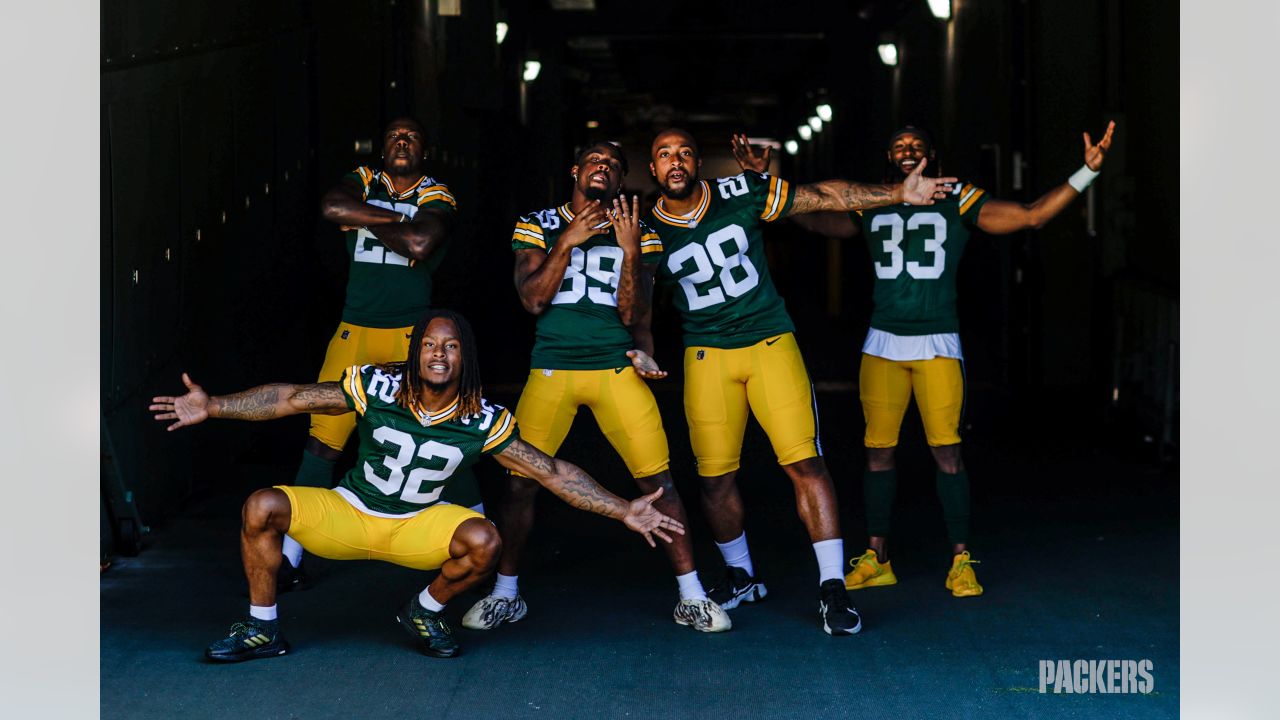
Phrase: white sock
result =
(292, 551)
(830, 559)
(735, 553)
(691, 587)
(262, 613)
(428, 602)
(506, 586)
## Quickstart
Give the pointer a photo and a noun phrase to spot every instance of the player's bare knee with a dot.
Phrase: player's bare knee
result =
(880, 458)
(480, 542)
(814, 468)
(265, 508)
(653, 482)
(717, 485)
(948, 458)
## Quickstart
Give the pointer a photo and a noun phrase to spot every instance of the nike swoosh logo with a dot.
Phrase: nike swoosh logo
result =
(618, 371)
(770, 342)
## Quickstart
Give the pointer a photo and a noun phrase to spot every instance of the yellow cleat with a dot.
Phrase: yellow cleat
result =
(869, 572)
(961, 581)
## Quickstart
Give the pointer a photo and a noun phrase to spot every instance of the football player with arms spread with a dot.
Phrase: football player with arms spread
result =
(420, 421)
(741, 352)
(913, 345)
(585, 269)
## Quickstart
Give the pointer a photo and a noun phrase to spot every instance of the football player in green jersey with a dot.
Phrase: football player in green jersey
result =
(741, 353)
(420, 421)
(397, 221)
(913, 345)
(578, 268)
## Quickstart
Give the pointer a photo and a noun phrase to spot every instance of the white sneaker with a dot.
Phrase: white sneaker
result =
(492, 611)
(702, 615)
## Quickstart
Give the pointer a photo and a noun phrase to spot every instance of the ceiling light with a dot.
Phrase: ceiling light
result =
(502, 32)
(593, 124)
(815, 122)
(888, 54)
(792, 147)
(941, 9)
(805, 132)
(824, 112)
(531, 70)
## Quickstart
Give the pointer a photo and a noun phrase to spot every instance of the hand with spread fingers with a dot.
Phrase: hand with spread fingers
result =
(626, 222)
(645, 519)
(189, 409)
(645, 366)
(1095, 154)
(920, 190)
(745, 153)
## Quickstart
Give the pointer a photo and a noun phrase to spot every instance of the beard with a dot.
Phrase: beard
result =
(594, 193)
(436, 387)
(690, 183)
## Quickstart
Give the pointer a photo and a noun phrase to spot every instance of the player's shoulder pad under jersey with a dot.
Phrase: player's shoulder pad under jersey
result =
(650, 242)
(768, 195)
(496, 422)
(364, 175)
(532, 229)
(431, 190)
(365, 384)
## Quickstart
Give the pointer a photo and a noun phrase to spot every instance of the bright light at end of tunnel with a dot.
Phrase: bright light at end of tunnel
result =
(888, 54)
(502, 32)
(805, 132)
(593, 124)
(824, 112)
(815, 122)
(792, 147)
(941, 9)
(531, 70)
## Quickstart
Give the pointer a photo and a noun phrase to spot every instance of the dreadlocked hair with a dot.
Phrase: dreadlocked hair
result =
(469, 389)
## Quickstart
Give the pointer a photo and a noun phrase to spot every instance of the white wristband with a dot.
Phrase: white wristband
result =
(1082, 178)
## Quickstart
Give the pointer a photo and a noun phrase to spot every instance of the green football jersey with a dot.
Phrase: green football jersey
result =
(716, 256)
(386, 289)
(580, 329)
(407, 455)
(916, 250)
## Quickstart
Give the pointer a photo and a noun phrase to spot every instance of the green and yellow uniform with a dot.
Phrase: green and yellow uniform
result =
(740, 350)
(580, 351)
(389, 507)
(914, 343)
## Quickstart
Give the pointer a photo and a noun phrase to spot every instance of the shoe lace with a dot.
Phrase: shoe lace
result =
(964, 563)
(868, 555)
(244, 628)
(836, 598)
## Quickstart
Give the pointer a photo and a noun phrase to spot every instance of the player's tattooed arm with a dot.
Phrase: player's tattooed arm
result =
(844, 196)
(633, 301)
(1000, 217)
(573, 485)
(344, 205)
(265, 402)
(419, 237)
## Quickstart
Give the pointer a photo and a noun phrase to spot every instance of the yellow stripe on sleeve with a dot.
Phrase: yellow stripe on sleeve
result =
(356, 390)
(525, 236)
(779, 191)
(503, 427)
(973, 198)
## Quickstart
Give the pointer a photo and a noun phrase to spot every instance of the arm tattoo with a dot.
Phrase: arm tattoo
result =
(322, 398)
(840, 195)
(567, 481)
(254, 404)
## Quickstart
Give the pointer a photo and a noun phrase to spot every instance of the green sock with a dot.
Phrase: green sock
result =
(953, 492)
(878, 489)
(314, 471)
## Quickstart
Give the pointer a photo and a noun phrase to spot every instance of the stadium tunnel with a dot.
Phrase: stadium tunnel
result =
(222, 123)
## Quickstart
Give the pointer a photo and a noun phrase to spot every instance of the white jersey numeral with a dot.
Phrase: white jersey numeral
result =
(733, 186)
(738, 274)
(893, 246)
(370, 250)
(603, 264)
(406, 450)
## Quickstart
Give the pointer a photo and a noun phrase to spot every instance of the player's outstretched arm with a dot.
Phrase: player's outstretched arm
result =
(845, 196)
(539, 275)
(344, 205)
(265, 402)
(571, 484)
(416, 238)
(1000, 217)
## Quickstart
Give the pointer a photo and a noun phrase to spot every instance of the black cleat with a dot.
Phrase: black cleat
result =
(249, 640)
(736, 587)
(839, 617)
(430, 628)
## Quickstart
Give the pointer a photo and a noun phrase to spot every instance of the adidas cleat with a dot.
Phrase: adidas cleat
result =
(430, 628)
(249, 640)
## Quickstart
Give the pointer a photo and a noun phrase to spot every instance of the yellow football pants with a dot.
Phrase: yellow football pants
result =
(327, 525)
(770, 379)
(619, 399)
(355, 345)
(886, 386)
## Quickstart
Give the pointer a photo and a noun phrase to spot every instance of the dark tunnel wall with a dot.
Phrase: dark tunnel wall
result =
(223, 123)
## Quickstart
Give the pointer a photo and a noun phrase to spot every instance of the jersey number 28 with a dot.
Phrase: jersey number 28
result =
(714, 254)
